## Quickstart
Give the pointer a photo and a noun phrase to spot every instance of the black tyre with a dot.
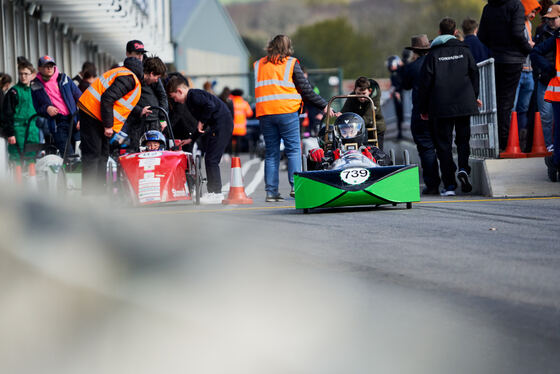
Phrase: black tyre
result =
(305, 211)
(408, 205)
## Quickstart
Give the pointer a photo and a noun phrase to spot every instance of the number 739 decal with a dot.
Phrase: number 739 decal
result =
(354, 175)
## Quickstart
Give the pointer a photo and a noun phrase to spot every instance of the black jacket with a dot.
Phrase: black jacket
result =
(502, 30)
(305, 90)
(544, 75)
(449, 81)
(152, 95)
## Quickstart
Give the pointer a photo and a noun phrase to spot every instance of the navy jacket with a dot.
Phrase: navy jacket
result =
(70, 94)
(540, 57)
(479, 51)
(411, 81)
(542, 71)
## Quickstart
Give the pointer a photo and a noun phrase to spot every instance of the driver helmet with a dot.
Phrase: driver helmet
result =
(349, 128)
(153, 140)
(393, 63)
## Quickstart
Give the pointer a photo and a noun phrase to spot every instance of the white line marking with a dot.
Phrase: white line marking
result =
(259, 177)
(244, 169)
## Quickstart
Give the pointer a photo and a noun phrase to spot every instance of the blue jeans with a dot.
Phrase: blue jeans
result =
(556, 153)
(545, 108)
(275, 127)
(523, 97)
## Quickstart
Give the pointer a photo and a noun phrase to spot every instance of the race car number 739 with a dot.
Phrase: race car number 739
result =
(354, 175)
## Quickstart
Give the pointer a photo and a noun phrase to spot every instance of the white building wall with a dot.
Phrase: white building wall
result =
(72, 34)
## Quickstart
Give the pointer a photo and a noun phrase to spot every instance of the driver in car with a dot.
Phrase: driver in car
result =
(152, 140)
(349, 135)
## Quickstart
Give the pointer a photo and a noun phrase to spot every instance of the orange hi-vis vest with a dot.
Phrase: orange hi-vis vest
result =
(552, 92)
(275, 91)
(241, 110)
(90, 101)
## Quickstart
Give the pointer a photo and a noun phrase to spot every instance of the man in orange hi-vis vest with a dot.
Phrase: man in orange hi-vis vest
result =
(104, 108)
(241, 110)
(280, 86)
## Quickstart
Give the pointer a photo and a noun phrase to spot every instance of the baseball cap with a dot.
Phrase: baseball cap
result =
(135, 46)
(553, 12)
(46, 60)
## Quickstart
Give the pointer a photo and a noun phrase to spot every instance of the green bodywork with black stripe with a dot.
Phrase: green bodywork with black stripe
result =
(384, 185)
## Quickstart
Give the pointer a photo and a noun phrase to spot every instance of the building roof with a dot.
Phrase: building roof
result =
(181, 11)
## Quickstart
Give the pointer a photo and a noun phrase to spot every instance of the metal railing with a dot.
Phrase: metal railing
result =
(484, 126)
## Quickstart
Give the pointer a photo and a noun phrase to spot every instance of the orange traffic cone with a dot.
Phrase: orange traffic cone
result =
(236, 191)
(539, 147)
(513, 150)
(18, 175)
(32, 176)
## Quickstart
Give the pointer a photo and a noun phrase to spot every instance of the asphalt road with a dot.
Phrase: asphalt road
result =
(453, 285)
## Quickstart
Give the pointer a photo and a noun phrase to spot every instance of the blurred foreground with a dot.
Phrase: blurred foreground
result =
(92, 290)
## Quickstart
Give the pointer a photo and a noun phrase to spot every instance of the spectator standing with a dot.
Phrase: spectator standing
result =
(552, 93)
(394, 65)
(208, 87)
(544, 74)
(421, 129)
(225, 96)
(241, 110)
(55, 97)
(104, 108)
(502, 30)
(142, 118)
(214, 117)
(135, 48)
(88, 67)
(479, 51)
(448, 96)
(526, 84)
(362, 106)
(87, 79)
(5, 82)
(17, 109)
(280, 85)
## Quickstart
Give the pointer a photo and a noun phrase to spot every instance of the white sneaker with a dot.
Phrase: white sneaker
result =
(550, 148)
(212, 198)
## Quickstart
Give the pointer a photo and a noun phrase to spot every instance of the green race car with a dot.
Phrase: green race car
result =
(354, 180)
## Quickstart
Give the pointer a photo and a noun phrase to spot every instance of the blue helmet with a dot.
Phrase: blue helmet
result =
(154, 136)
(393, 63)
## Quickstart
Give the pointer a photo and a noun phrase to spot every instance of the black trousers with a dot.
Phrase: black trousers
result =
(507, 79)
(424, 139)
(443, 136)
(95, 151)
(215, 143)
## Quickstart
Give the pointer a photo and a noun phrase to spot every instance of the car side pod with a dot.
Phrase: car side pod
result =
(371, 186)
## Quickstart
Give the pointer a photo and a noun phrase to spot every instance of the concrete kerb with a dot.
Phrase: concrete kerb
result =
(495, 177)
